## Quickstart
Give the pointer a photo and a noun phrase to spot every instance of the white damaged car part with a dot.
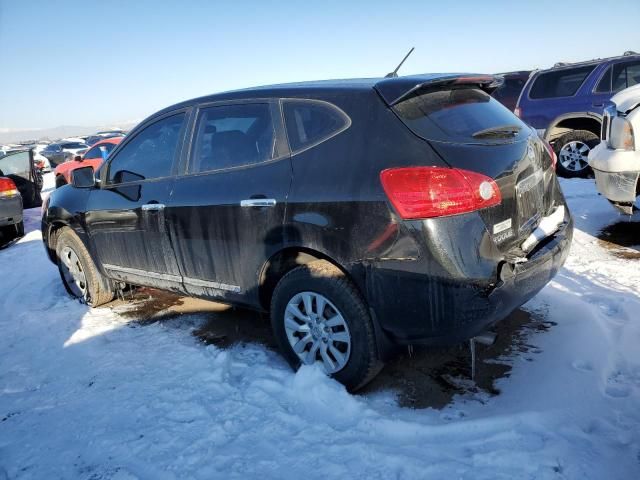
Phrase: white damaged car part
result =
(616, 160)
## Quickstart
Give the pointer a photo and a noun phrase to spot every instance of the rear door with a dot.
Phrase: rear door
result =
(19, 167)
(126, 215)
(472, 131)
(227, 209)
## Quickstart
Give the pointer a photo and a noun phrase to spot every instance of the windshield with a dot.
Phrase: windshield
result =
(455, 115)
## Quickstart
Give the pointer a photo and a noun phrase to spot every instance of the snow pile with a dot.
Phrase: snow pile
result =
(91, 394)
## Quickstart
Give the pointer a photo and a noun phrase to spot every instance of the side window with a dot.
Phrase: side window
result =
(560, 83)
(150, 154)
(231, 136)
(310, 122)
(625, 75)
(93, 153)
(604, 85)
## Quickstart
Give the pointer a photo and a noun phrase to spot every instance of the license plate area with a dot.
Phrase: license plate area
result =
(530, 200)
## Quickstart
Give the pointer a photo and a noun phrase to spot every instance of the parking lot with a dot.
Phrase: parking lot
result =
(158, 386)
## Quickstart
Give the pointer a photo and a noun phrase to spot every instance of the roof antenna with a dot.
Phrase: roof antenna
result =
(395, 72)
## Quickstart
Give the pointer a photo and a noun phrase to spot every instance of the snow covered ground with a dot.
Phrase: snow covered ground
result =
(97, 395)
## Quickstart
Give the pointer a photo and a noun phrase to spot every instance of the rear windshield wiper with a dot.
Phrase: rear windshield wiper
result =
(499, 131)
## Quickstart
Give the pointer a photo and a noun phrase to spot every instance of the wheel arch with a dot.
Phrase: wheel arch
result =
(562, 124)
(288, 258)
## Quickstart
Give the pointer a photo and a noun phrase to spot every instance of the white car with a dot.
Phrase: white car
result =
(616, 160)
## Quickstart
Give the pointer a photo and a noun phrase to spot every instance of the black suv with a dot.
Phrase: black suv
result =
(361, 213)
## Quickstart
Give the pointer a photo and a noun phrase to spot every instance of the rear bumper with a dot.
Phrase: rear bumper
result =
(441, 309)
(10, 210)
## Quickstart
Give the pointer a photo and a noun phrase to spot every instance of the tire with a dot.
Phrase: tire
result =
(572, 149)
(8, 233)
(322, 280)
(96, 290)
(20, 229)
(60, 181)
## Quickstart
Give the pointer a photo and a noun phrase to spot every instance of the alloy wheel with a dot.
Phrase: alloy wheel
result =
(574, 156)
(317, 331)
(73, 272)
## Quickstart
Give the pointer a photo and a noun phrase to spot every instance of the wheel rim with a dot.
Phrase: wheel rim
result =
(574, 156)
(317, 331)
(73, 272)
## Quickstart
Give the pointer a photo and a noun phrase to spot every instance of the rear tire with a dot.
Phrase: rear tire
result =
(572, 150)
(78, 272)
(330, 310)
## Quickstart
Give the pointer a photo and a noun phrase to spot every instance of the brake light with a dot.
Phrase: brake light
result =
(426, 192)
(7, 188)
(517, 112)
(551, 152)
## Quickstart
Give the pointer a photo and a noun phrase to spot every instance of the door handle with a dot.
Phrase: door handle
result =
(152, 207)
(258, 202)
(597, 104)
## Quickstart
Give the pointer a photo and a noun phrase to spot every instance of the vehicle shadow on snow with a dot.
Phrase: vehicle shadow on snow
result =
(421, 377)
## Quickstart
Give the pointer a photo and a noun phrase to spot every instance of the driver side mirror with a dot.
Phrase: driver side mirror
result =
(83, 177)
(77, 158)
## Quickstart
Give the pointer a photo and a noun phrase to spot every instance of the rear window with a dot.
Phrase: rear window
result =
(454, 114)
(74, 145)
(560, 83)
(310, 122)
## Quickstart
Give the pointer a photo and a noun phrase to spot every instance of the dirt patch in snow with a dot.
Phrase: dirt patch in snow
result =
(622, 239)
(421, 377)
(426, 377)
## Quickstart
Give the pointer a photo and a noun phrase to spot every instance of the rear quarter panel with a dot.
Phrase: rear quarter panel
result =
(337, 205)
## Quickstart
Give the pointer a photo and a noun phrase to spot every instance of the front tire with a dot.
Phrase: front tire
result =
(78, 272)
(318, 315)
(572, 150)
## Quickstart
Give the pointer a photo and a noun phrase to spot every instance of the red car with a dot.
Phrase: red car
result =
(92, 158)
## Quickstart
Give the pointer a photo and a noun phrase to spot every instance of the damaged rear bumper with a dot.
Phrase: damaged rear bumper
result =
(437, 310)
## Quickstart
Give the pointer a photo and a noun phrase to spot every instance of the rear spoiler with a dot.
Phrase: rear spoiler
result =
(395, 90)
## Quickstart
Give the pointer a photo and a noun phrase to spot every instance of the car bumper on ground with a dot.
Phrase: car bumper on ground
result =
(441, 310)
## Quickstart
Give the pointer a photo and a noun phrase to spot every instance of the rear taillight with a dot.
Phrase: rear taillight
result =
(517, 112)
(426, 192)
(7, 188)
(552, 154)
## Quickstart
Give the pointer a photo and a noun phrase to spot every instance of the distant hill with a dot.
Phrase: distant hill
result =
(13, 136)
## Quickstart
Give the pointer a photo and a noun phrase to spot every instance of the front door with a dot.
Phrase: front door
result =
(228, 208)
(126, 215)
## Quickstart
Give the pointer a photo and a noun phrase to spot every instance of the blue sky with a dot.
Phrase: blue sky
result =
(100, 62)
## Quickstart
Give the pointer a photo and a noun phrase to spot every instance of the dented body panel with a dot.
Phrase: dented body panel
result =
(217, 235)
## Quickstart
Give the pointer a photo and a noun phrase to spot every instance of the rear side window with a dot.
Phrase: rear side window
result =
(454, 114)
(232, 136)
(150, 154)
(310, 122)
(625, 75)
(560, 83)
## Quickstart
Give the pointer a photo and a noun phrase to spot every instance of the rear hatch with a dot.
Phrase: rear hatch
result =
(470, 130)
